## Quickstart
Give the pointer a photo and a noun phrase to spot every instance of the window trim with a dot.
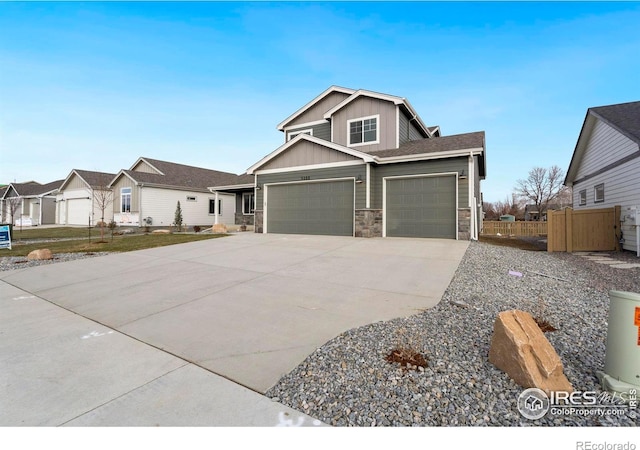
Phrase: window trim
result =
(292, 134)
(122, 197)
(595, 193)
(362, 119)
(214, 206)
(250, 213)
(582, 197)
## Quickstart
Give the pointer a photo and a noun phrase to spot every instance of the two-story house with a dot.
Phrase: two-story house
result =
(361, 163)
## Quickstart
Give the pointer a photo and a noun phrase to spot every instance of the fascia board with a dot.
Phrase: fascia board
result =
(328, 91)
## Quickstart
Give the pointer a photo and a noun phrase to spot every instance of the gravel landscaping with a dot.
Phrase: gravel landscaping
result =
(349, 382)
(21, 262)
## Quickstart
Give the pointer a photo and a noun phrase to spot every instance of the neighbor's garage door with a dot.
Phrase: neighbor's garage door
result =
(311, 208)
(78, 210)
(421, 207)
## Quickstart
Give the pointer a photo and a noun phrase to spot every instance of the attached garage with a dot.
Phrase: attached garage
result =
(421, 206)
(318, 207)
(78, 211)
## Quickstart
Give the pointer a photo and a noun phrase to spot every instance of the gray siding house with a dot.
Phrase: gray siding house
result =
(605, 166)
(362, 163)
(35, 203)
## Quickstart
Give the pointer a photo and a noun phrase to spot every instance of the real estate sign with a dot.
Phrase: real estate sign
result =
(5, 237)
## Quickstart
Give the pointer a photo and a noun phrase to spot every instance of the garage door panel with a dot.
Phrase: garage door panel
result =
(421, 207)
(324, 208)
(78, 211)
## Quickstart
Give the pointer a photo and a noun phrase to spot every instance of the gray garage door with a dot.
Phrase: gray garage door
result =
(311, 208)
(421, 207)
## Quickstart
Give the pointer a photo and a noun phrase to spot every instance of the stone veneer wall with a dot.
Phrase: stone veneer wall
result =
(368, 223)
(464, 224)
(244, 218)
(258, 218)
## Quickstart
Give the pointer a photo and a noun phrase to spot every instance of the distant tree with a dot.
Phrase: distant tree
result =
(103, 196)
(178, 217)
(13, 203)
(510, 205)
(541, 187)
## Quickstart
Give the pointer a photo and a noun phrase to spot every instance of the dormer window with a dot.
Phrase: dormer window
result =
(363, 131)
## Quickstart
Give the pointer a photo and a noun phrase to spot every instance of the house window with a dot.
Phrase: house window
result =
(583, 197)
(248, 203)
(191, 198)
(212, 206)
(125, 200)
(598, 193)
(363, 131)
(295, 133)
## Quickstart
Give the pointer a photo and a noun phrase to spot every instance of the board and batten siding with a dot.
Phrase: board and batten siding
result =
(306, 153)
(316, 112)
(408, 131)
(320, 130)
(605, 146)
(364, 107)
(160, 204)
(75, 183)
(125, 181)
(144, 167)
(315, 174)
(420, 168)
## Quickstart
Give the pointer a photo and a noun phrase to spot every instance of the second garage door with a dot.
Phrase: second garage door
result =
(325, 207)
(421, 207)
(78, 211)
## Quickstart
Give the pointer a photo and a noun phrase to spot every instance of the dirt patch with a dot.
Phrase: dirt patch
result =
(534, 244)
(407, 358)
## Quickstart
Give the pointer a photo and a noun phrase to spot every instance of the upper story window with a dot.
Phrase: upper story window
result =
(125, 199)
(293, 134)
(583, 197)
(598, 193)
(364, 131)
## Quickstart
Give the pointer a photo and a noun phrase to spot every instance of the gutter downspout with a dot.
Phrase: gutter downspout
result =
(473, 233)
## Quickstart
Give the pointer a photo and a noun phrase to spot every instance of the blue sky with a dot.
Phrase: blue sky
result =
(94, 86)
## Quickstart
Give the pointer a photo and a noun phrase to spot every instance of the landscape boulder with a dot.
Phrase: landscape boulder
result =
(519, 348)
(161, 232)
(219, 228)
(40, 254)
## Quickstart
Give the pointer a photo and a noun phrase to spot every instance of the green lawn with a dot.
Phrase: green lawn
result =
(125, 243)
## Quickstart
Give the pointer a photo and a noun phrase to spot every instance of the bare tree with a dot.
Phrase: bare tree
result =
(103, 196)
(510, 205)
(13, 203)
(541, 187)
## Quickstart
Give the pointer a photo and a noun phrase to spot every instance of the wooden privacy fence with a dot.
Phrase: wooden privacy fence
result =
(584, 230)
(491, 227)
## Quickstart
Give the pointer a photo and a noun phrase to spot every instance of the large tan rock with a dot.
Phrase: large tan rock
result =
(43, 253)
(520, 349)
(219, 228)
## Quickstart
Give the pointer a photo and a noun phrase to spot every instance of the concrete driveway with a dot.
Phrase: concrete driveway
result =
(249, 307)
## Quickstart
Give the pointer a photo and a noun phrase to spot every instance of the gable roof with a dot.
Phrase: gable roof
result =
(623, 117)
(90, 178)
(332, 145)
(181, 176)
(32, 188)
(398, 101)
(327, 92)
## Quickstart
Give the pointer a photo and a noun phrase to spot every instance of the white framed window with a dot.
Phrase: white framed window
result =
(363, 131)
(583, 197)
(125, 199)
(212, 206)
(598, 193)
(248, 203)
(293, 134)
(191, 198)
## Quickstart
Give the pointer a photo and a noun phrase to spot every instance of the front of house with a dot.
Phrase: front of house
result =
(81, 197)
(148, 193)
(361, 163)
(30, 204)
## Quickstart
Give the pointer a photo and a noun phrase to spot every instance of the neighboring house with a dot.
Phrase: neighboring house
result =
(605, 166)
(531, 212)
(361, 163)
(80, 195)
(36, 203)
(148, 193)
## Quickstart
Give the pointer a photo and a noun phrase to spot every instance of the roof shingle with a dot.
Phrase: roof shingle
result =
(624, 116)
